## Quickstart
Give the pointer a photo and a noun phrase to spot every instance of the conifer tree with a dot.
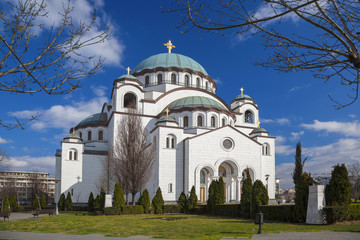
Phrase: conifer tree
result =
(91, 202)
(216, 196)
(144, 200)
(102, 199)
(61, 203)
(259, 196)
(221, 191)
(193, 200)
(182, 201)
(246, 196)
(301, 197)
(97, 203)
(299, 164)
(158, 202)
(338, 191)
(5, 204)
(119, 200)
(35, 202)
(68, 202)
(42, 201)
(13, 202)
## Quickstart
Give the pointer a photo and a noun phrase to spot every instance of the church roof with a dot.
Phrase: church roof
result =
(98, 119)
(169, 60)
(166, 119)
(194, 102)
(259, 130)
(242, 96)
(128, 76)
(72, 135)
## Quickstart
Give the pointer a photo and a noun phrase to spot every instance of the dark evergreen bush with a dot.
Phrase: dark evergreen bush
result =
(132, 209)
(216, 196)
(144, 201)
(102, 199)
(119, 200)
(193, 200)
(228, 210)
(338, 191)
(301, 197)
(42, 201)
(334, 214)
(61, 203)
(221, 191)
(182, 201)
(112, 211)
(259, 196)
(68, 202)
(90, 203)
(246, 196)
(96, 204)
(278, 212)
(35, 202)
(158, 202)
(5, 204)
(13, 203)
(171, 208)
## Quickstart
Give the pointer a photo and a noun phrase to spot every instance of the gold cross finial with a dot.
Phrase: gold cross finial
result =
(128, 70)
(169, 45)
(242, 91)
(73, 131)
(167, 112)
(259, 124)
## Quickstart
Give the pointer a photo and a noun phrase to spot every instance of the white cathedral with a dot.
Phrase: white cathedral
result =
(197, 136)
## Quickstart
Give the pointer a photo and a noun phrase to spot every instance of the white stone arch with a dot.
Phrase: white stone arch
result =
(177, 77)
(265, 149)
(210, 168)
(213, 115)
(98, 134)
(232, 162)
(204, 120)
(123, 98)
(252, 114)
(252, 173)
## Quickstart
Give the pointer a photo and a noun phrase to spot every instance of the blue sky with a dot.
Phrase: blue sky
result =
(293, 106)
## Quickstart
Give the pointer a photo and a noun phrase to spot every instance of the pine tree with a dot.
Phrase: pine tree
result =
(338, 191)
(119, 200)
(102, 199)
(259, 196)
(35, 202)
(216, 196)
(246, 196)
(91, 202)
(221, 191)
(301, 197)
(144, 200)
(182, 201)
(61, 203)
(13, 202)
(193, 200)
(158, 202)
(42, 201)
(97, 203)
(68, 202)
(5, 204)
(299, 164)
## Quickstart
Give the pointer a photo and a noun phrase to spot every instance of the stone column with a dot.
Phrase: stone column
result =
(238, 188)
(108, 200)
(315, 204)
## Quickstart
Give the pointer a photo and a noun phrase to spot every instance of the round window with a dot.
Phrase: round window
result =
(227, 144)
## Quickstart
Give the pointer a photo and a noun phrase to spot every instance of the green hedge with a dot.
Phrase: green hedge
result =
(334, 214)
(112, 211)
(228, 210)
(171, 208)
(278, 212)
(132, 209)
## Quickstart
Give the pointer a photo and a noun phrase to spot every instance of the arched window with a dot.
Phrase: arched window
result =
(80, 135)
(200, 121)
(202, 177)
(187, 81)
(147, 81)
(186, 121)
(249, 117)
(170, 141)
(89, 135)
(207, 85)
(212, 121)
(129, 100)
(265, 149)
(75, 155)
(173, 78)
(223, 122)
(70, 155)
(101, 135)
(159, 79)
(222, 171)
(167, 142)
(198, 83)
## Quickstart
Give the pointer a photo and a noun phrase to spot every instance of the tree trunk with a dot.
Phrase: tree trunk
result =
(133, 198)
(127, 198)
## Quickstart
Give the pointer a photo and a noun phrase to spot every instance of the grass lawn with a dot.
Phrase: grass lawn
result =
(192, 227)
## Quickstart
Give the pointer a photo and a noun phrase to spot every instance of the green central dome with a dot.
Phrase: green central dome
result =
(169, 60)
(194, 102)
(98, 119)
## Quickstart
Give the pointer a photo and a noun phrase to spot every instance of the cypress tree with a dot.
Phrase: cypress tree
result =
(5, 204)
(13, 202)
(182, 201)
(35, 201)
(144, 200)
(221, 191)
(259, 196)
(193, 200)
(119, 200)
(301, 197)
(299, 164)
(338, 191)
(61, 203)
(246, 196)
(102, 199)
(91, 202)
(96, 204)
(68, 202)
(42, 201)
(158, 202)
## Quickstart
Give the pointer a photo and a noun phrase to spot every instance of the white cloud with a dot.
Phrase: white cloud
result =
(296, 135)
(281, 148)
(3, 140)
(297, 88)
(28, 163)
(281, 121)
(349, 129)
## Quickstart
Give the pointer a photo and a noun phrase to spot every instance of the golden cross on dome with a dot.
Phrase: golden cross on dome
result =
(169, 45)
(259, 124)
(242, 91)
(128, 70)
(167, 112)
(73, 131)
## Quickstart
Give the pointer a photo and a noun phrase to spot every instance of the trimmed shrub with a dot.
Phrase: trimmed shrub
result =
(112, 211)
(182, 201)
(228, 210)
(215, 196)
(68, 202)
(158, 202)
(96, 204)
(246, 196)
(334, 214)
(172, 208)
(119, 200)
(301, 197)
(338, 191)
(20, 208)
(5, 204)
(278, 212)
(144, 201)
(61, 204)
(102, 199)
(193, 200)
(221, 191)
(80, 208)
(90, 203)
(259, 196)
(132, 209)
(35, 201)
(42, 201)
(353, 212)
(13, 203)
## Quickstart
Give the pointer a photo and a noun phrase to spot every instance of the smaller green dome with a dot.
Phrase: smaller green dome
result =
(166, 119)
(242, 96)
(72, 135)
(259, 130)
(128, 76)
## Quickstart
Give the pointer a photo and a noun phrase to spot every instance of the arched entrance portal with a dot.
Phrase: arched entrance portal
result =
(228, 171)
(206, 176)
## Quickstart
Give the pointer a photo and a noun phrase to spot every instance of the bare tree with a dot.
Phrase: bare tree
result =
(3, 157)
(133, 156)
(107, 178)
(354, 175)
(39, 55)
(331, 51)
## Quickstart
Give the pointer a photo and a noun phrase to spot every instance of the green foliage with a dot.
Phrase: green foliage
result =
(35, 201)
(91, 202)
(193, 200)
(61, 203)
(13, 203)
(216, 195)
(144, 201)
(334, 214)
(246, 196)
(259, 196)
(119, 200)
(222, 191)
(132, 209)
(172, 208)
(282, 213)
(112, 211)
(338, 191)
(299, 164)
(102, 199)
(5, 204)
(96, 204)
(158, 202)
(182, 201)
(301, 197)
(227, 210)
(353, 212)
(42, 201)
(68, 202)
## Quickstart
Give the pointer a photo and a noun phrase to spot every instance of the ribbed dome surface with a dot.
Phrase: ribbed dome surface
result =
(98, 119)
(169, 60)
(195, 102)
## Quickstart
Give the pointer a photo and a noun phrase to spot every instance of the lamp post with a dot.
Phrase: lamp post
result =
(57, 196)
(277, 180)
(267, 182)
